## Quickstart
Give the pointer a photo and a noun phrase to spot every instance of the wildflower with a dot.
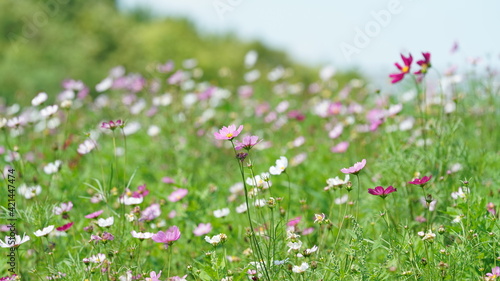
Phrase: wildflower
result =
(355, 169)
(63, 209)
(39, 99)
(380, 191)
(167, 237)
(241, 208)
(341, 200)
(86, 147)
(300, 269)
(216, 239)
(29, 191)
(202, 229)
(308, 252)
(340, 147)
(228, 133)
(491, 209)
(294, 221)
(45, 231)
(319, 218)
(429, 236)
(99, 258)
(65, 227)
(495, 272)
(126, 200)
(177, 194)
(221, 213)
(281, 165)
(425, 64)
(336, 182)
(106, 222)
(141, 235)
(94, 214)
(177, 278)
(106, 236)
(142, 191)
(14, 241)
(461, 193)
(294, 245)
(248, 143)
(457, 219)
(421, 181)
(49, 111)
(153, 276)
(151, 212)
(111, 125)
(52, 168)
(262, 181)
(396, 77)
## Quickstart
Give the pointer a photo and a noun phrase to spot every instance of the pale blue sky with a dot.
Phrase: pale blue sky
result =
(314, 32)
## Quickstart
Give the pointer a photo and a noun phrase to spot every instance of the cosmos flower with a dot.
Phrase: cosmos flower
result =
(14, 241)
(94, 214)
(425, 64)
(221, 212)
(356, 168)
(380, 191)
(228, 133)
(106, 222)
(421, 181)
(281, 165)
(167, 237)
(65, 227)
(45, 231)
(247, 143)
(300, 269)
(141, 235)
(202, 229)
(405, 69)
(216, 239)
(177, 195)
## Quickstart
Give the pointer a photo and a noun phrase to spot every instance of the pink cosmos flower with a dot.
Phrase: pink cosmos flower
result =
(167, 180)
(354, 169)
(142, 191)
(380, 191)
(202, 229)
(151, 212)
(340, 148)
(65, 227)
(421, 181)
(425, 64)
(294, 222)
(248, 142)
(113, 125)
(154, 276)
(495, 272)
(94, 214)
(396, 77)
(228, 133)
(177, 195)
(167, 237)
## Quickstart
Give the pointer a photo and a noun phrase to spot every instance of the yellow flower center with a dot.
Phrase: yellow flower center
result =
(230, 135)
(405, 69)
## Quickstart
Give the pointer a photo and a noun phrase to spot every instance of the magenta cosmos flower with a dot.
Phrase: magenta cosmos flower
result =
(424, 64)
(421, 181)
(111, 125)
(355, 168)
(380, 191)
(495, 272)
(405, 69)
(228, 133)
(65, 227)
(167, 237)
(177, 195)
(248, 142)
(94, 214)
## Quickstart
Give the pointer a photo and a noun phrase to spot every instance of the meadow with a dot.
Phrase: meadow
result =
(165, 175)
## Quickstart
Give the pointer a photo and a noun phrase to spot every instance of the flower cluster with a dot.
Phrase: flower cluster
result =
(404, 69)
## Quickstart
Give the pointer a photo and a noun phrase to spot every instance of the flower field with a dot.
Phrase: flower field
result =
(165, 175)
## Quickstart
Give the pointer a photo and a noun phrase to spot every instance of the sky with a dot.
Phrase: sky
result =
(366, 35)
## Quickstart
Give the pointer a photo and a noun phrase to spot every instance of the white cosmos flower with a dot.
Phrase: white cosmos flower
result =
(86, 147)
(49, 110)
(14, 242)
(141, 235)
(280, 167)
(221, 212)
(106, 222)
(241, 208)
(29, 191)
(294, 245)
(39, 99)
(45, 231)
(127, 200)
(99, 258)
(300, 269)
(52, 168)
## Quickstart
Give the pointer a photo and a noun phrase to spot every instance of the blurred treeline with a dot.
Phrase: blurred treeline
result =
(46, 41)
